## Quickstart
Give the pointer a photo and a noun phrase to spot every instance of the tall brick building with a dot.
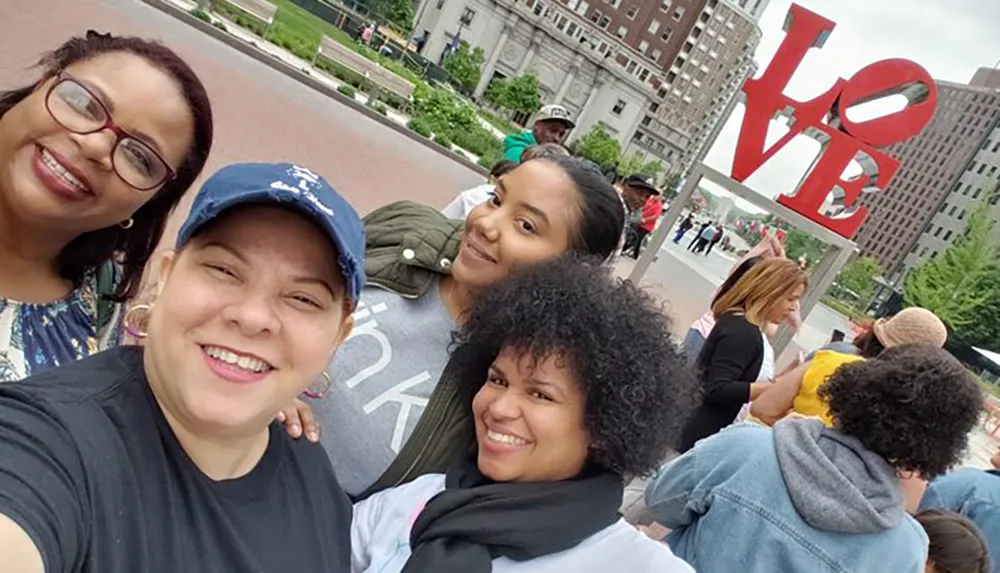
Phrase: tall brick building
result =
(659, 75)
(932, 164)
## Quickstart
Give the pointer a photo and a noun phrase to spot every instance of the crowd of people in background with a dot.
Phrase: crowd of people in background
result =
(466, 390)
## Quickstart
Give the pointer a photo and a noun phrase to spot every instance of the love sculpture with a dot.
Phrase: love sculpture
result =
(824, 118)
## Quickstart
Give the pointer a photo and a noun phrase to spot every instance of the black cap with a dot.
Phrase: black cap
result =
(643, 182)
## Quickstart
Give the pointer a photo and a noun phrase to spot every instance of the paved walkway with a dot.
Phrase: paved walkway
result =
(260, 114)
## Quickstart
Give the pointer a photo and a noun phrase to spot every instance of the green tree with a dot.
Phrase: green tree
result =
(599, 146)
(520, 94)
(956, 286)
(635, 163)
(630, 164)
(859, 275)
(799, 243)
(399, 12)
(984, 332)
(465, 65)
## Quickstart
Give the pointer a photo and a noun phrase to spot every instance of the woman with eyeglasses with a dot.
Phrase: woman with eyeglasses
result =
(93, 157)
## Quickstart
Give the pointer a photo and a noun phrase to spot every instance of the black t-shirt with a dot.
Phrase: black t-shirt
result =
(90, 469)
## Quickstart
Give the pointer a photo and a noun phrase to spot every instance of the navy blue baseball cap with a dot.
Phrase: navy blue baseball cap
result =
(286, 185)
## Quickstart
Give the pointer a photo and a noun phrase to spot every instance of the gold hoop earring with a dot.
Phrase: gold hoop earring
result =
(327, 384)
(135, 329)
(126, 224)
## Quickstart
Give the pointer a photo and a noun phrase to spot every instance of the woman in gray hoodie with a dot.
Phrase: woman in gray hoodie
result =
(805, 497)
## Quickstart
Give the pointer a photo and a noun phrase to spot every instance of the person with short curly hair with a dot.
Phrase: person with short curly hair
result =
(574, 385)
(806, 497)
(797, 390)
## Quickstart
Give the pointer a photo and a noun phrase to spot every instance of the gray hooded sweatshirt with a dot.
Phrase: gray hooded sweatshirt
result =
(836, 483)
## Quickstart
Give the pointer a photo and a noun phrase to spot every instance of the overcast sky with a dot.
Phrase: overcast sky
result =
(951, 39)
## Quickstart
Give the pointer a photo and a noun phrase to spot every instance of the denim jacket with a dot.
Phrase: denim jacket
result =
(976, 495)
(798, 498)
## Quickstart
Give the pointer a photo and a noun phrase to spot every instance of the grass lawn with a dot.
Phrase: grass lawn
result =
(307, 25)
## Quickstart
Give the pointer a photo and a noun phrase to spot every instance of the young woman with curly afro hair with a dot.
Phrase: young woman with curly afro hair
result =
(806, 497)
(574, 385)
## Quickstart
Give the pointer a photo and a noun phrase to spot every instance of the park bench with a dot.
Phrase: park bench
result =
(260, 9)
(374, 73)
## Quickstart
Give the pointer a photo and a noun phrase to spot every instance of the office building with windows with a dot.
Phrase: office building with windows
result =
(943, 170)
(659, 75)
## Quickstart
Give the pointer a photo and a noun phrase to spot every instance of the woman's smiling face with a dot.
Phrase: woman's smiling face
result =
(531, 217)
(530, 420)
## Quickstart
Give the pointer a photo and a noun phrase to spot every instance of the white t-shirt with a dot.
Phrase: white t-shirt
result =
(468, 200)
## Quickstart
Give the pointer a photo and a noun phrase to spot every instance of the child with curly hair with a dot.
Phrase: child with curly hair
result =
(574, 385)
(806, 497)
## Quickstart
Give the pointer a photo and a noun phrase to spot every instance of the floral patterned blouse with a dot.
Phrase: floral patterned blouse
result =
(36, 337)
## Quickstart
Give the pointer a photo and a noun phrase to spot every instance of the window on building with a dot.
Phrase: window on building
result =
(934, 255)
(665, 5)
(937, 233)
(975, 194)
(632, 11)
(654, 107)
(993, 170)
(646, 121)
(656, 53)
(679, 13)
(581, 8)
(951, 212)
(665, 36)
(604, 22)
(619, 107)
(615, 3)
(643, 46)
(982, 167)
(946, 236)
(467, 16)
(654, 26)
(622, 32)
(961, 215)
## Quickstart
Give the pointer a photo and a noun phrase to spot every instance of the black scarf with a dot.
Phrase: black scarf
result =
(462, 529)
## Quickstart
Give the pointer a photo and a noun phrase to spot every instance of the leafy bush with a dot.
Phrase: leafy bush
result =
(347, 90)
(442, 140)
(377, 106)
(507, 127)
(442, 111)
(241, 18)
(477, 141)
(420, 127)
(220, 26)
(201, 15)
(340, 72)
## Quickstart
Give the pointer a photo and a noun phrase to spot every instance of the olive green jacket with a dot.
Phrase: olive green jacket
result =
(407, 247)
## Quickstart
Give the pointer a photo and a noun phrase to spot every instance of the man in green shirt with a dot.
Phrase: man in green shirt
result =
(552, 123)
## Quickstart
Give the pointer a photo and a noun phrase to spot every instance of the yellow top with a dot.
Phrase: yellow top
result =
(821, 367)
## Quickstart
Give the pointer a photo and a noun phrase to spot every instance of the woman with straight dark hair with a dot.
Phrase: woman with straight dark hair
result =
(391, 391)
(956, 544)
(93, 158)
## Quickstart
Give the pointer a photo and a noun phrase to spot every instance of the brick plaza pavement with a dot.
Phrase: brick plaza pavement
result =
(260, 114)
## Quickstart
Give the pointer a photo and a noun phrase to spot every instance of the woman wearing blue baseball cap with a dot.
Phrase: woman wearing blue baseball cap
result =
(163, 458)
